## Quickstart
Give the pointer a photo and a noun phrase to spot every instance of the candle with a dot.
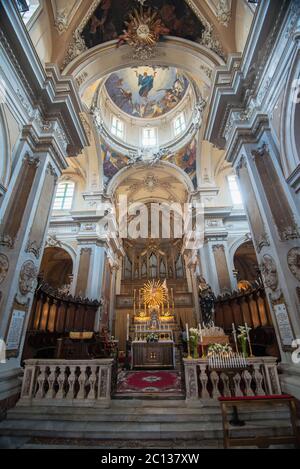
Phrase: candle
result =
(127, 332)
(200, 333)
(187, 332)
(248, 338)
(235, 338)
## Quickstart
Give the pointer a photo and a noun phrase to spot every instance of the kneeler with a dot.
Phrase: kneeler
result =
(260, 441)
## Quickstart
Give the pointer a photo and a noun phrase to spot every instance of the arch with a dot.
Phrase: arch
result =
(104, 59)
(5, 150)
(124, 173)
(245, 261)
(57, 267)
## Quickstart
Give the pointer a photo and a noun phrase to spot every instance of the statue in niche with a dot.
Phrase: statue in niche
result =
(206, 302)
(154, 320)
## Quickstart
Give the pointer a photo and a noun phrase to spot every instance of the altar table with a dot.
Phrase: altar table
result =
(153, 354)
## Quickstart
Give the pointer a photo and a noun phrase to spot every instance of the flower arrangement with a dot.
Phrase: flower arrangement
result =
(243, 337)
(219, 349)
(152, 337)
(194, 336)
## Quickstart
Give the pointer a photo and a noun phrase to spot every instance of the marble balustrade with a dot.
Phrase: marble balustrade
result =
(67, 382)
(259, 378)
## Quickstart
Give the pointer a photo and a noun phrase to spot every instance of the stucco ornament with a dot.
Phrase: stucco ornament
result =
(293, 260)
(143, 31)
(27, 279)
(269, 272)
(4, 266)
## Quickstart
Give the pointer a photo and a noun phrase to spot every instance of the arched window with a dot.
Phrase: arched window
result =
(117, 127)
(149, 138)
(64, 196)
(28, 8)
(235, 191)
(179, 124)
(153, 265)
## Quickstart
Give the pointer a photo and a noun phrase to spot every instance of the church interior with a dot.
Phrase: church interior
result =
(149, 224)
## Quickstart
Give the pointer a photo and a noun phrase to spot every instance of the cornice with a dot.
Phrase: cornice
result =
(55, 97)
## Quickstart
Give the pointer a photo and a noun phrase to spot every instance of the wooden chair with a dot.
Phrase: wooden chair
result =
(259, 441)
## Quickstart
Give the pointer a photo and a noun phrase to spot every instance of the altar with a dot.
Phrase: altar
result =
(153, 344)
(153, 355)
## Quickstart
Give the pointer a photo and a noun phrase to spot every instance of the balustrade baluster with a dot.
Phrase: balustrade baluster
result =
(61, 379)
(204, 382)
(41, 381)
(51, 382)
(82, 382)
(214, 377)
(92, 382)
(71, 382)
(248, 380)
(237, 385)
(258, 379)
(226, 388)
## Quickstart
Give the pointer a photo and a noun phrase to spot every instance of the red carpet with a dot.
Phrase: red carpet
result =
(149, 382)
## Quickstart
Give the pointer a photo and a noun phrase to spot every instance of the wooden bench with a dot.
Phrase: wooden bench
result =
(259, 441)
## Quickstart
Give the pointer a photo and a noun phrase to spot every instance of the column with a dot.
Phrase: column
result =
(274, 224)
(26, 212)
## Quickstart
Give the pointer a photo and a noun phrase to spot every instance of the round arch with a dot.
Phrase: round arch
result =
(124, 173)
(104, 59)
(57, 266)
(5, 152)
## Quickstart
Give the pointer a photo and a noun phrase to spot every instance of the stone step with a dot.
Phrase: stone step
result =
(141, 417)
(134, 430)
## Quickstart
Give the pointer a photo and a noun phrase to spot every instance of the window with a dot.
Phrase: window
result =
(179, 124)
(28, 8)
(64, 196)
(235, 191)
(149, 137)
(117, 127)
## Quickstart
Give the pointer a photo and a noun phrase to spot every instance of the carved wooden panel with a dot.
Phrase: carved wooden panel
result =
(152, 355)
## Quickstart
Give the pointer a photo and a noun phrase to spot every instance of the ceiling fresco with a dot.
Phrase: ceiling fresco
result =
(147, 92)
(108, 20)
(185, 159)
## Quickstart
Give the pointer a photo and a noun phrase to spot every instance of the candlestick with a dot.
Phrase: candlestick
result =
(249, 341)
(188, 340)
(200, 333)
(235, 337)
(127, 328)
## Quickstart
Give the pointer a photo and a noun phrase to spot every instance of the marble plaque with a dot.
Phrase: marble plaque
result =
(15, 330)
(284, 324)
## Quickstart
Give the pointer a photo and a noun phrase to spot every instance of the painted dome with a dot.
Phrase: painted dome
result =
(147, 92)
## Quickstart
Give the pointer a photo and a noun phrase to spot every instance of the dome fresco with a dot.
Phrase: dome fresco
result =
(147, 92)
